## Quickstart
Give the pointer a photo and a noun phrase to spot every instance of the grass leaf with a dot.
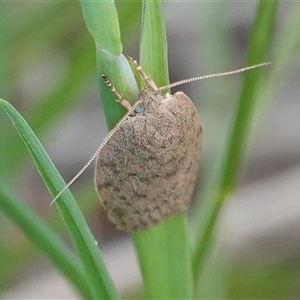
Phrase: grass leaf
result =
(222, 185)
(84, 242)
(163, 251)
(44, 239)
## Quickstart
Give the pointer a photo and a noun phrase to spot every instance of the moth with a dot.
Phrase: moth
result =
(147, 170)
(147, 166)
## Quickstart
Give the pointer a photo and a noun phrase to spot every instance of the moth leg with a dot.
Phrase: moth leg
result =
(120, 98)
(146, 77)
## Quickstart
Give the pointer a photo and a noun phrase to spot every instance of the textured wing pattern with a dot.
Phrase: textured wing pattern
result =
(147, 171)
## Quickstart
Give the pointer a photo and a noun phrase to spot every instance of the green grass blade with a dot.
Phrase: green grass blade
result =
(102, 21)
(224, 182)
(110, 60)
(165, 261)
(44, 239)
(153, 43)
(97, 276)
(21, 250)
(174, 256)
(118, 70)
(163, 251)
(285, 49)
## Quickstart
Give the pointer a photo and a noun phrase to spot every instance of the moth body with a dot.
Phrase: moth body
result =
(147, 170)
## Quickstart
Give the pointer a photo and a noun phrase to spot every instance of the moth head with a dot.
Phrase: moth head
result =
(148, 101)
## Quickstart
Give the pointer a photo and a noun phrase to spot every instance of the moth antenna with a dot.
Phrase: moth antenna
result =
(108, 137)
(120, 98)
(111, 86)
(131, 111)
(212, 76)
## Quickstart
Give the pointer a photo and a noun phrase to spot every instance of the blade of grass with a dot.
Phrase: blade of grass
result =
(85, 244)
(102, 21)
(21, 250)
(118, 70)
(284, 51)
(164, 258)
(224, 184)
(45, 240)
(153, 43)
(99, 17)
(163, 251)
(110, 60)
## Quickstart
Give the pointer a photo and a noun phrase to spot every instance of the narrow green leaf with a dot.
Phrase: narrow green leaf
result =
(102, 22)
(163, 251)
(165, 261)
(153, 43)
(224, 181)
(119, 72)
(85, 244)
(285, 49)
(21, 251)
(172, 276)
(44, 239)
